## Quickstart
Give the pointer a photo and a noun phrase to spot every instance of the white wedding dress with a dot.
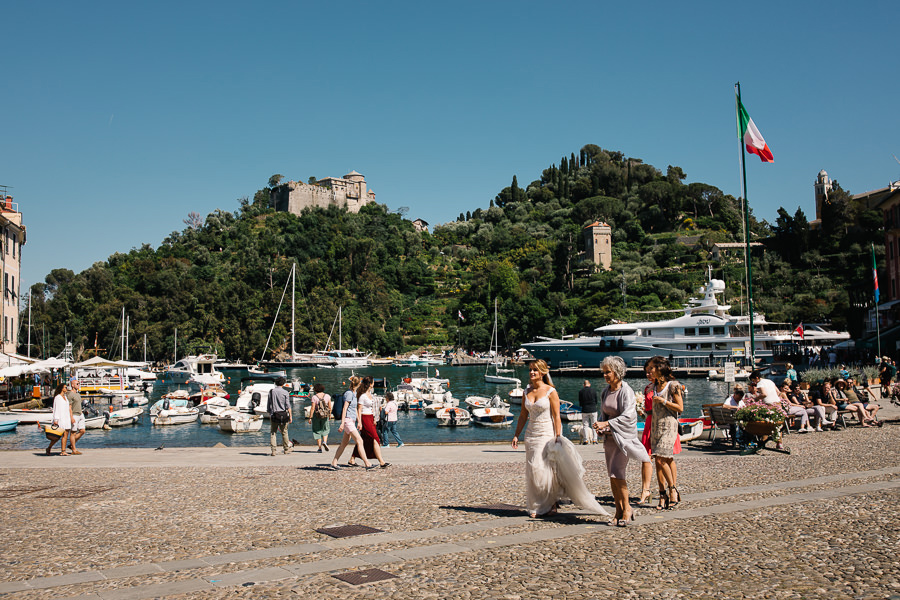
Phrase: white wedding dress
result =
(553, 469)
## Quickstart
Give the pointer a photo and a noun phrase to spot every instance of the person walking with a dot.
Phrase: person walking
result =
(61, 417)
(368, 408)
(319, 416)
(621, 442)
(390, 420)
(77, 429)
(668, 402)
(587, 399)
(553, 468)
(351, 423)
(279, 409)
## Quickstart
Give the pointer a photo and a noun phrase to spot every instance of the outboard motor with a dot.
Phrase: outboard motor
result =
(255, 400)
(452, 416)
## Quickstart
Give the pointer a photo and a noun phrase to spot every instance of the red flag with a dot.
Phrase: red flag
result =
(799, 330)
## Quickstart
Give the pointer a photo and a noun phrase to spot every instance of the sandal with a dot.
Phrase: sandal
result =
(646, 496)
(674, 495)
(663, 500)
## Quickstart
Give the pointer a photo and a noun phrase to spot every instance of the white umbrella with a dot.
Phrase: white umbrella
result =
(99, 362)
(50, 363)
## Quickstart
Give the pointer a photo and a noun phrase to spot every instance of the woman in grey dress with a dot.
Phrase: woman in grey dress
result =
(618, 420)
(668, 402)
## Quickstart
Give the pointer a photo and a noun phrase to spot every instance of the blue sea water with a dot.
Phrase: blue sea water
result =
(413, 427)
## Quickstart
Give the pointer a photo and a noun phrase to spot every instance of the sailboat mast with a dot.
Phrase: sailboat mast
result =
(293, 294)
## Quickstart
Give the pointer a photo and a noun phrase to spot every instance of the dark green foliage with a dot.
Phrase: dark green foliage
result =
(220, 283)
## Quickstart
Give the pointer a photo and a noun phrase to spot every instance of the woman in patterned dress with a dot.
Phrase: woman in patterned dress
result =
(668, 402)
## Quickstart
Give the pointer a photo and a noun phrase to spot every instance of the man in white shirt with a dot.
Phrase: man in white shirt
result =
(736, 399)
(766, 390)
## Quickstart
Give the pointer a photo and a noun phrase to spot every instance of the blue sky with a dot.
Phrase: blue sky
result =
(119, 118)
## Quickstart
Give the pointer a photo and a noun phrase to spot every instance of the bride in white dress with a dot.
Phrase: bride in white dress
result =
(553, 469)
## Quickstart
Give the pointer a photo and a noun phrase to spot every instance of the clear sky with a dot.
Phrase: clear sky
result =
(120, 118)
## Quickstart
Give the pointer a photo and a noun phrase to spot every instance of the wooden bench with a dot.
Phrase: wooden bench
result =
(723, 420)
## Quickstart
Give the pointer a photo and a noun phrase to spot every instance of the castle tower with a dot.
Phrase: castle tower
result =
(598, 244)
(823, 185)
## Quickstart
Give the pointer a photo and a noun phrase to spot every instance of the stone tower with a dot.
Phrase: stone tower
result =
(598, 244)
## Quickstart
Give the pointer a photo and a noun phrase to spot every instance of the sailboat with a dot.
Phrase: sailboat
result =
(496, 362)
(296, 359)
(340, 358)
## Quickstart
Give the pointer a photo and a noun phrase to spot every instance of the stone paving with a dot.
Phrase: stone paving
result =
(236, 523)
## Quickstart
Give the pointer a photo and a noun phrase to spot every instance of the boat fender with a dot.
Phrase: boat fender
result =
(487, 411)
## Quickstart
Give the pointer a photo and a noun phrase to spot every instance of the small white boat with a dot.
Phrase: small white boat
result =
(453, 416)
(26, 416)
(515, 394)
(492, 417)
(168, 403)
(125, 416)
(175, 416)
(96, 422)
(473, 402)
(432, 409)
(239, 422)
(406, 394)
(568, 412)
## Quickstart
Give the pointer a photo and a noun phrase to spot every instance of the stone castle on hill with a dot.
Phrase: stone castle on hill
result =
(347, 192)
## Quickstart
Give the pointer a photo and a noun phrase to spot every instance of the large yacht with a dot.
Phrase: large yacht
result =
(705, 329)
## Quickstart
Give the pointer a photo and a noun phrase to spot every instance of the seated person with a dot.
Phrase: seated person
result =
(844, 402)
(824, 404)
(857, 393)
(736, 399)
(793, 405)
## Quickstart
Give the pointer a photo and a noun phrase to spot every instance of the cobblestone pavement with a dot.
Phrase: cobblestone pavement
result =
(820, 522)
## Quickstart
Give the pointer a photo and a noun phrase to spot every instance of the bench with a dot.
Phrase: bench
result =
(723, 420)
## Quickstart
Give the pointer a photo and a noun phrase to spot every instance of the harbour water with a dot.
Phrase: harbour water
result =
(413, 427)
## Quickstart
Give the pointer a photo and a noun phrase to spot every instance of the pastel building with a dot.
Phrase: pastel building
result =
(13, 232)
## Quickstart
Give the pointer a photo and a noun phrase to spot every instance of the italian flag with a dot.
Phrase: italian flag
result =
(753, 139)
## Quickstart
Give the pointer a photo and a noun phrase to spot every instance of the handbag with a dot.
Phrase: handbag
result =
(281, 416)
(53, 432)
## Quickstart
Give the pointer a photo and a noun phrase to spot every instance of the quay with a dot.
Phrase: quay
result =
(635, 372)
(447, 522)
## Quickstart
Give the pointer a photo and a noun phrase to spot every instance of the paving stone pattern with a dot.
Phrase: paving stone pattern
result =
(818, 523)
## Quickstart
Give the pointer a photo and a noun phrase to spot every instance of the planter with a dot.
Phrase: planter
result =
(761, 428)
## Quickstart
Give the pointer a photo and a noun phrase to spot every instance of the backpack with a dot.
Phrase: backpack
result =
(322, 409)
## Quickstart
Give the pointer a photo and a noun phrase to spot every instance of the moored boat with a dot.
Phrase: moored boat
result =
(125, 416)
(492, 417)
(453, 417)
(239, 422)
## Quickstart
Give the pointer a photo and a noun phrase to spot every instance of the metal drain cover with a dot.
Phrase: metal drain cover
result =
(348, 530)
(362, 577)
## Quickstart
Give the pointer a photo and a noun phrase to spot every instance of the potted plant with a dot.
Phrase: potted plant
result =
(760, 418)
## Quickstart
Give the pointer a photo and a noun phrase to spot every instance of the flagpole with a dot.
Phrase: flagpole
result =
(877, 295)
(737, 87)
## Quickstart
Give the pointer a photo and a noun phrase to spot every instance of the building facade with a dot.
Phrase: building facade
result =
(13, 231)
(598, 244)
(347, 192)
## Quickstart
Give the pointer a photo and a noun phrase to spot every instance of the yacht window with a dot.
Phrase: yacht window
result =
(718, 331)
(706, 346)
(703, 331)
(689, 331)
(721, 346)
(647, 332)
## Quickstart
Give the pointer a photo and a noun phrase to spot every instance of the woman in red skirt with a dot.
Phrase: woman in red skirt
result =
(367, 407)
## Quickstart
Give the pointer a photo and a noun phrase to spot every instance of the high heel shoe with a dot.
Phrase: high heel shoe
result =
(663, 500)
(674, 495)
(645, 497)
(624, 522)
